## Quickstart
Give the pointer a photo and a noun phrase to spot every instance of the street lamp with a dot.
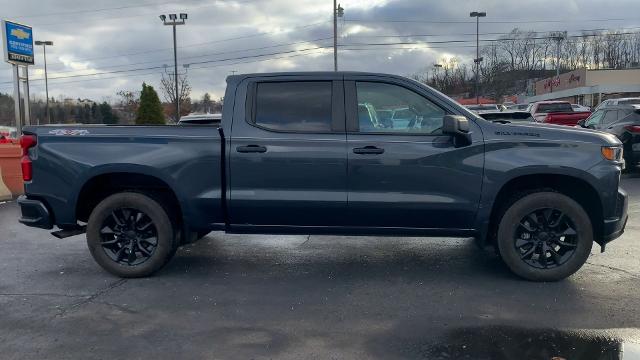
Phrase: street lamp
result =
(478, 59)
(46, 80)
(173, 21)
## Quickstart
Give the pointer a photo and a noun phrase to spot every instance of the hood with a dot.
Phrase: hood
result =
(553, 132)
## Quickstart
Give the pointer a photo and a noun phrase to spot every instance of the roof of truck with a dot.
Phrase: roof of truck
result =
(310, 73)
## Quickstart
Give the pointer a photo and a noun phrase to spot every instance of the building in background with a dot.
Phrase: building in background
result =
(588, 87)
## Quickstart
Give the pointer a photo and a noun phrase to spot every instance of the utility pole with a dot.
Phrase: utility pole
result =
(338, 11)
(478, 59)
(558, 37)
(173, 22)
(46, 78)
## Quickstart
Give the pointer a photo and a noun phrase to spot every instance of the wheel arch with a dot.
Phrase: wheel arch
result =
(576, 187)
(109, 180)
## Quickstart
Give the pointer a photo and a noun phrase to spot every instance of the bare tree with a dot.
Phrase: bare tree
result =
(184, 91)
(128, 102)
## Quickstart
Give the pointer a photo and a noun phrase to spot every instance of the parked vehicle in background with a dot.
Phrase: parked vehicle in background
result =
(483, 107)
(605, 117)
(201, 119)
(557, 112)
(8, 132)
(507, 116)
(619, 101)
(578, 107)
(622, 121)
(518, 107)
(305, 153)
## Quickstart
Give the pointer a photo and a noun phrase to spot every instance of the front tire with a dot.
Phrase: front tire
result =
(130, 235)
(545, 236)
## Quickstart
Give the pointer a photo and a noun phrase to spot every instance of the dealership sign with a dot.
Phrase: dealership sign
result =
(17, 41)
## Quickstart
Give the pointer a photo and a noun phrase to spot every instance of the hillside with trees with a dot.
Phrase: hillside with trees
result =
(514, 59)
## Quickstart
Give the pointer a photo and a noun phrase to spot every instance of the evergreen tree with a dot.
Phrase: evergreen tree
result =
(95, 114)
(150, 109)
(105, 111)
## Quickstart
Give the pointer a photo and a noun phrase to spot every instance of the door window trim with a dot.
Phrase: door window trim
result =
(351, 108)
(337, 106)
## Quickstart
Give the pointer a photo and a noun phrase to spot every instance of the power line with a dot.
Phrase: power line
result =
(313, 48)
(483, 40)
(144, 52)
(311, 52)
(487, 33)
(91, 10)
(162, 67)
(204, 55)
(488, 22)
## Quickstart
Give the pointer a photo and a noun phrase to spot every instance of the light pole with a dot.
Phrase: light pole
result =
(46, 79)
(338, 11)
(436, 70)
(173, 21)
(478, 59)
(558, 37)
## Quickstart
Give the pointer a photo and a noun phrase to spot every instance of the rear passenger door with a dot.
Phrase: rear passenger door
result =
(407, 173)
(288, 164)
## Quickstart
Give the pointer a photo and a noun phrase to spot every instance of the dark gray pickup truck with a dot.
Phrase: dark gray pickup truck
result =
(318, 153)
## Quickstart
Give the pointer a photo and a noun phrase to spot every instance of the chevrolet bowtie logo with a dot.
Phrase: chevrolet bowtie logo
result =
(20, 34)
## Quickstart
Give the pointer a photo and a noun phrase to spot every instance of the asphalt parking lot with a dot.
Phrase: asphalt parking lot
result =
(317, 297)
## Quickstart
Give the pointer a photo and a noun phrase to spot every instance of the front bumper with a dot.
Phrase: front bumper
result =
(614, 227)
(34, 213)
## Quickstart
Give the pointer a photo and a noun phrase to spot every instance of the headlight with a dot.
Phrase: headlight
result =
(613, 153)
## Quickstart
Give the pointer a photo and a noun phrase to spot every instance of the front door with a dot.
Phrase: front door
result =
(403, 172)
(288, 153)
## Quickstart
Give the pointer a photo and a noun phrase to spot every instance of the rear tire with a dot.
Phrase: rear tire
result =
(130, 235)
(545, 236)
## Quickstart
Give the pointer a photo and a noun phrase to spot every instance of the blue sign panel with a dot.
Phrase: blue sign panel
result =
(17, 43)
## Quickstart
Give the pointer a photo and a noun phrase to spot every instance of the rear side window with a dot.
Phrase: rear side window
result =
(303, 106)
(610, 116)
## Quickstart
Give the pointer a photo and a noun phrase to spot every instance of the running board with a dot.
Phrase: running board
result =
(61, 234)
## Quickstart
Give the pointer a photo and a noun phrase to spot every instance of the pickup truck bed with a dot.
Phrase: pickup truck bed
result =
(312, 153)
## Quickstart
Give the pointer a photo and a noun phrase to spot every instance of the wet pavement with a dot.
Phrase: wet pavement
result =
(315, 297)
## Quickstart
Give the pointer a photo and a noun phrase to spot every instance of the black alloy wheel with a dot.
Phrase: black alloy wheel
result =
(131, 234)
(128, 236)
(544, 235)
(546, 238)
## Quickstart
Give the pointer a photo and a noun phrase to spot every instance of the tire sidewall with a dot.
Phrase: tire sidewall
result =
(525, 205)
(154, 211)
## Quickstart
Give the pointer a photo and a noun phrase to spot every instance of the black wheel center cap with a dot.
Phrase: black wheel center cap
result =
(543, 236)
(130, 234)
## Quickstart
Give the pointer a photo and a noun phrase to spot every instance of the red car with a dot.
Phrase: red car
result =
(557, 112)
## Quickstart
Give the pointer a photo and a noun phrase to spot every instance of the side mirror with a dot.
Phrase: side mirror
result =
(581, 122)
(458, 127)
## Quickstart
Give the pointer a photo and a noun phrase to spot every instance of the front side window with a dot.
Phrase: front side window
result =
(410, 112)
(303, 106)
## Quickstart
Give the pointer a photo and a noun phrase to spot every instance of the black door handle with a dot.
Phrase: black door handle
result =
(251, 149)
(368, 150)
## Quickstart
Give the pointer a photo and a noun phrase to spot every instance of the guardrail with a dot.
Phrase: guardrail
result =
(10, 171)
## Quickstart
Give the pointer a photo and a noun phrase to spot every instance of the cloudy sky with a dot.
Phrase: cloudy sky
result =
(103, 46)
